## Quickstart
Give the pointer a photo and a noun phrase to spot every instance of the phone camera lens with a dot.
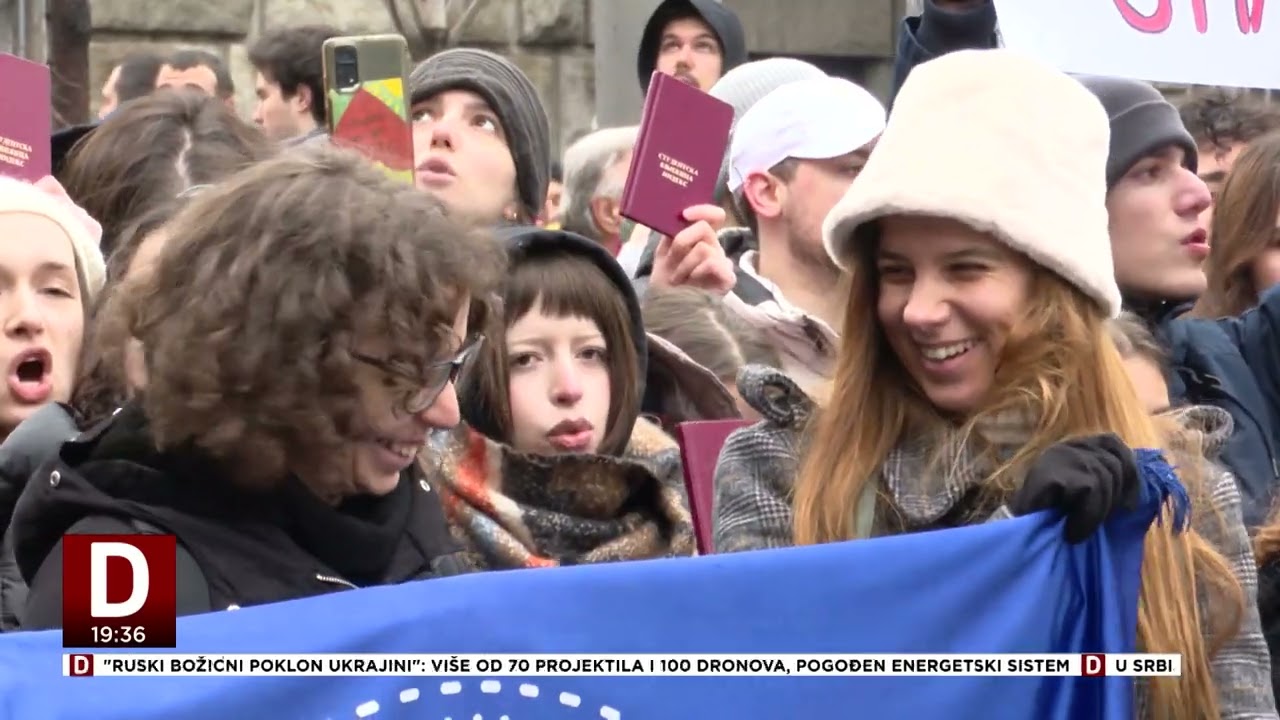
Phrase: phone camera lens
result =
(346, 67)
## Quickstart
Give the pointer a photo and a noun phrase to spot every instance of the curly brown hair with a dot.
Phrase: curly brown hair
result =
(249, 316)
(152, 149)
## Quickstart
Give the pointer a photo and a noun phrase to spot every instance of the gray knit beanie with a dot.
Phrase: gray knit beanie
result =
(1142, 122)
(743, 87)
(508, 91)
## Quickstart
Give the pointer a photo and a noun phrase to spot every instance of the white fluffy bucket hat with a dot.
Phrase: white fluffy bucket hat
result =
(1005, 144)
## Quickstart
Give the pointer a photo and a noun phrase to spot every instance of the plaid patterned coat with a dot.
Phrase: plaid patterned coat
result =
(758, 465)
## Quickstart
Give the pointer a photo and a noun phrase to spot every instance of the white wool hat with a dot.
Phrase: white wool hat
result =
(21, 197)
(812, 119)
(1005, 144)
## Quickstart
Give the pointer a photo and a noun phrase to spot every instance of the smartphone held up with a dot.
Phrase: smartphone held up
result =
(365, 103)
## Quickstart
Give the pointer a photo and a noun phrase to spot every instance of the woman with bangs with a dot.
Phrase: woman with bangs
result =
(297, 330)
(556, 465)
(978, 379)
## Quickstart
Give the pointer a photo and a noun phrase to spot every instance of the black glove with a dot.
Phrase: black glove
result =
(1086, 479)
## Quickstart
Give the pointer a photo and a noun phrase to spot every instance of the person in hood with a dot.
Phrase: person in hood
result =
(280, 448)
(697, 41)
(977, 378)
(556, 465)
(481, 141)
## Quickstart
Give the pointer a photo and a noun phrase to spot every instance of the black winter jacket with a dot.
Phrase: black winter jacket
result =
(236, 547)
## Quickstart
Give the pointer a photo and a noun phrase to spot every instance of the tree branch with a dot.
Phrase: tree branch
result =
(463, 18)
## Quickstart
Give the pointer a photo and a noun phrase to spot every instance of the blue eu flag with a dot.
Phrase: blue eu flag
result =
(1004, 587)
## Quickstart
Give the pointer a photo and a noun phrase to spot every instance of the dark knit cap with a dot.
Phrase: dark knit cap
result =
(1142, 122)
(508, 91)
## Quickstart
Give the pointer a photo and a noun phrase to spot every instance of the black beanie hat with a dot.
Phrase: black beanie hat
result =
(1142, 122)
(508, 91)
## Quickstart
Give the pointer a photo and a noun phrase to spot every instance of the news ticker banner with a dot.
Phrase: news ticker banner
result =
(1023, 589)
(641, 665)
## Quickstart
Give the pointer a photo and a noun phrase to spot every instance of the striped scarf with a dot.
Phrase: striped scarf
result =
(515, 510)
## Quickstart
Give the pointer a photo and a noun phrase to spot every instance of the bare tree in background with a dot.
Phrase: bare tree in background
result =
(69, 26)
(426, 25)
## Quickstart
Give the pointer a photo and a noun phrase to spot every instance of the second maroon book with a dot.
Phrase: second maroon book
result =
(681, 144)
(25, 118)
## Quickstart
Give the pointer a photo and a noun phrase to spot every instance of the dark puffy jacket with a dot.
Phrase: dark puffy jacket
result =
(236, 547)
(936, 32)
(31, 444)
(1234, 364)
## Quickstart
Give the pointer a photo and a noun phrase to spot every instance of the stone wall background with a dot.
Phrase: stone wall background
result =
(549, 39)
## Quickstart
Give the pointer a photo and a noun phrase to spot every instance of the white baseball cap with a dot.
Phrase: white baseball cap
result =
(811, 119)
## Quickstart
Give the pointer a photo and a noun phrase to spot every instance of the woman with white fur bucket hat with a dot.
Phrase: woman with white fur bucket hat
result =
(977, 379)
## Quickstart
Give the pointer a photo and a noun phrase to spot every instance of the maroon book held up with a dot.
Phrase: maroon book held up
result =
(682, 140)
(26, 125)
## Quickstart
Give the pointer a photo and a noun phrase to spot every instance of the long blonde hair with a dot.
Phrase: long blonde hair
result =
(1060, 368)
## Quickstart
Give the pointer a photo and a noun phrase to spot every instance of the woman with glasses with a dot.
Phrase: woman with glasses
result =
(555, 465)
(297, 340)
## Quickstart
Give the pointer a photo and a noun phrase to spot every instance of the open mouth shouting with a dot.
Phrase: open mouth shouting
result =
(31, 376)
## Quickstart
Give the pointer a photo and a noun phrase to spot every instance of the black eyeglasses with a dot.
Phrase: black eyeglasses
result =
(423, 391)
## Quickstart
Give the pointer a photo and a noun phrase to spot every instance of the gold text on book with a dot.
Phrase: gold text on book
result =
(677, 172)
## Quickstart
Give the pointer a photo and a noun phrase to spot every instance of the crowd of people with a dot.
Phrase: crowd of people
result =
(979, 305)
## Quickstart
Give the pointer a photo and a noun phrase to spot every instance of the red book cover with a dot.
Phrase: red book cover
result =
(683, 136)
(26, 119)
(700, 443)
